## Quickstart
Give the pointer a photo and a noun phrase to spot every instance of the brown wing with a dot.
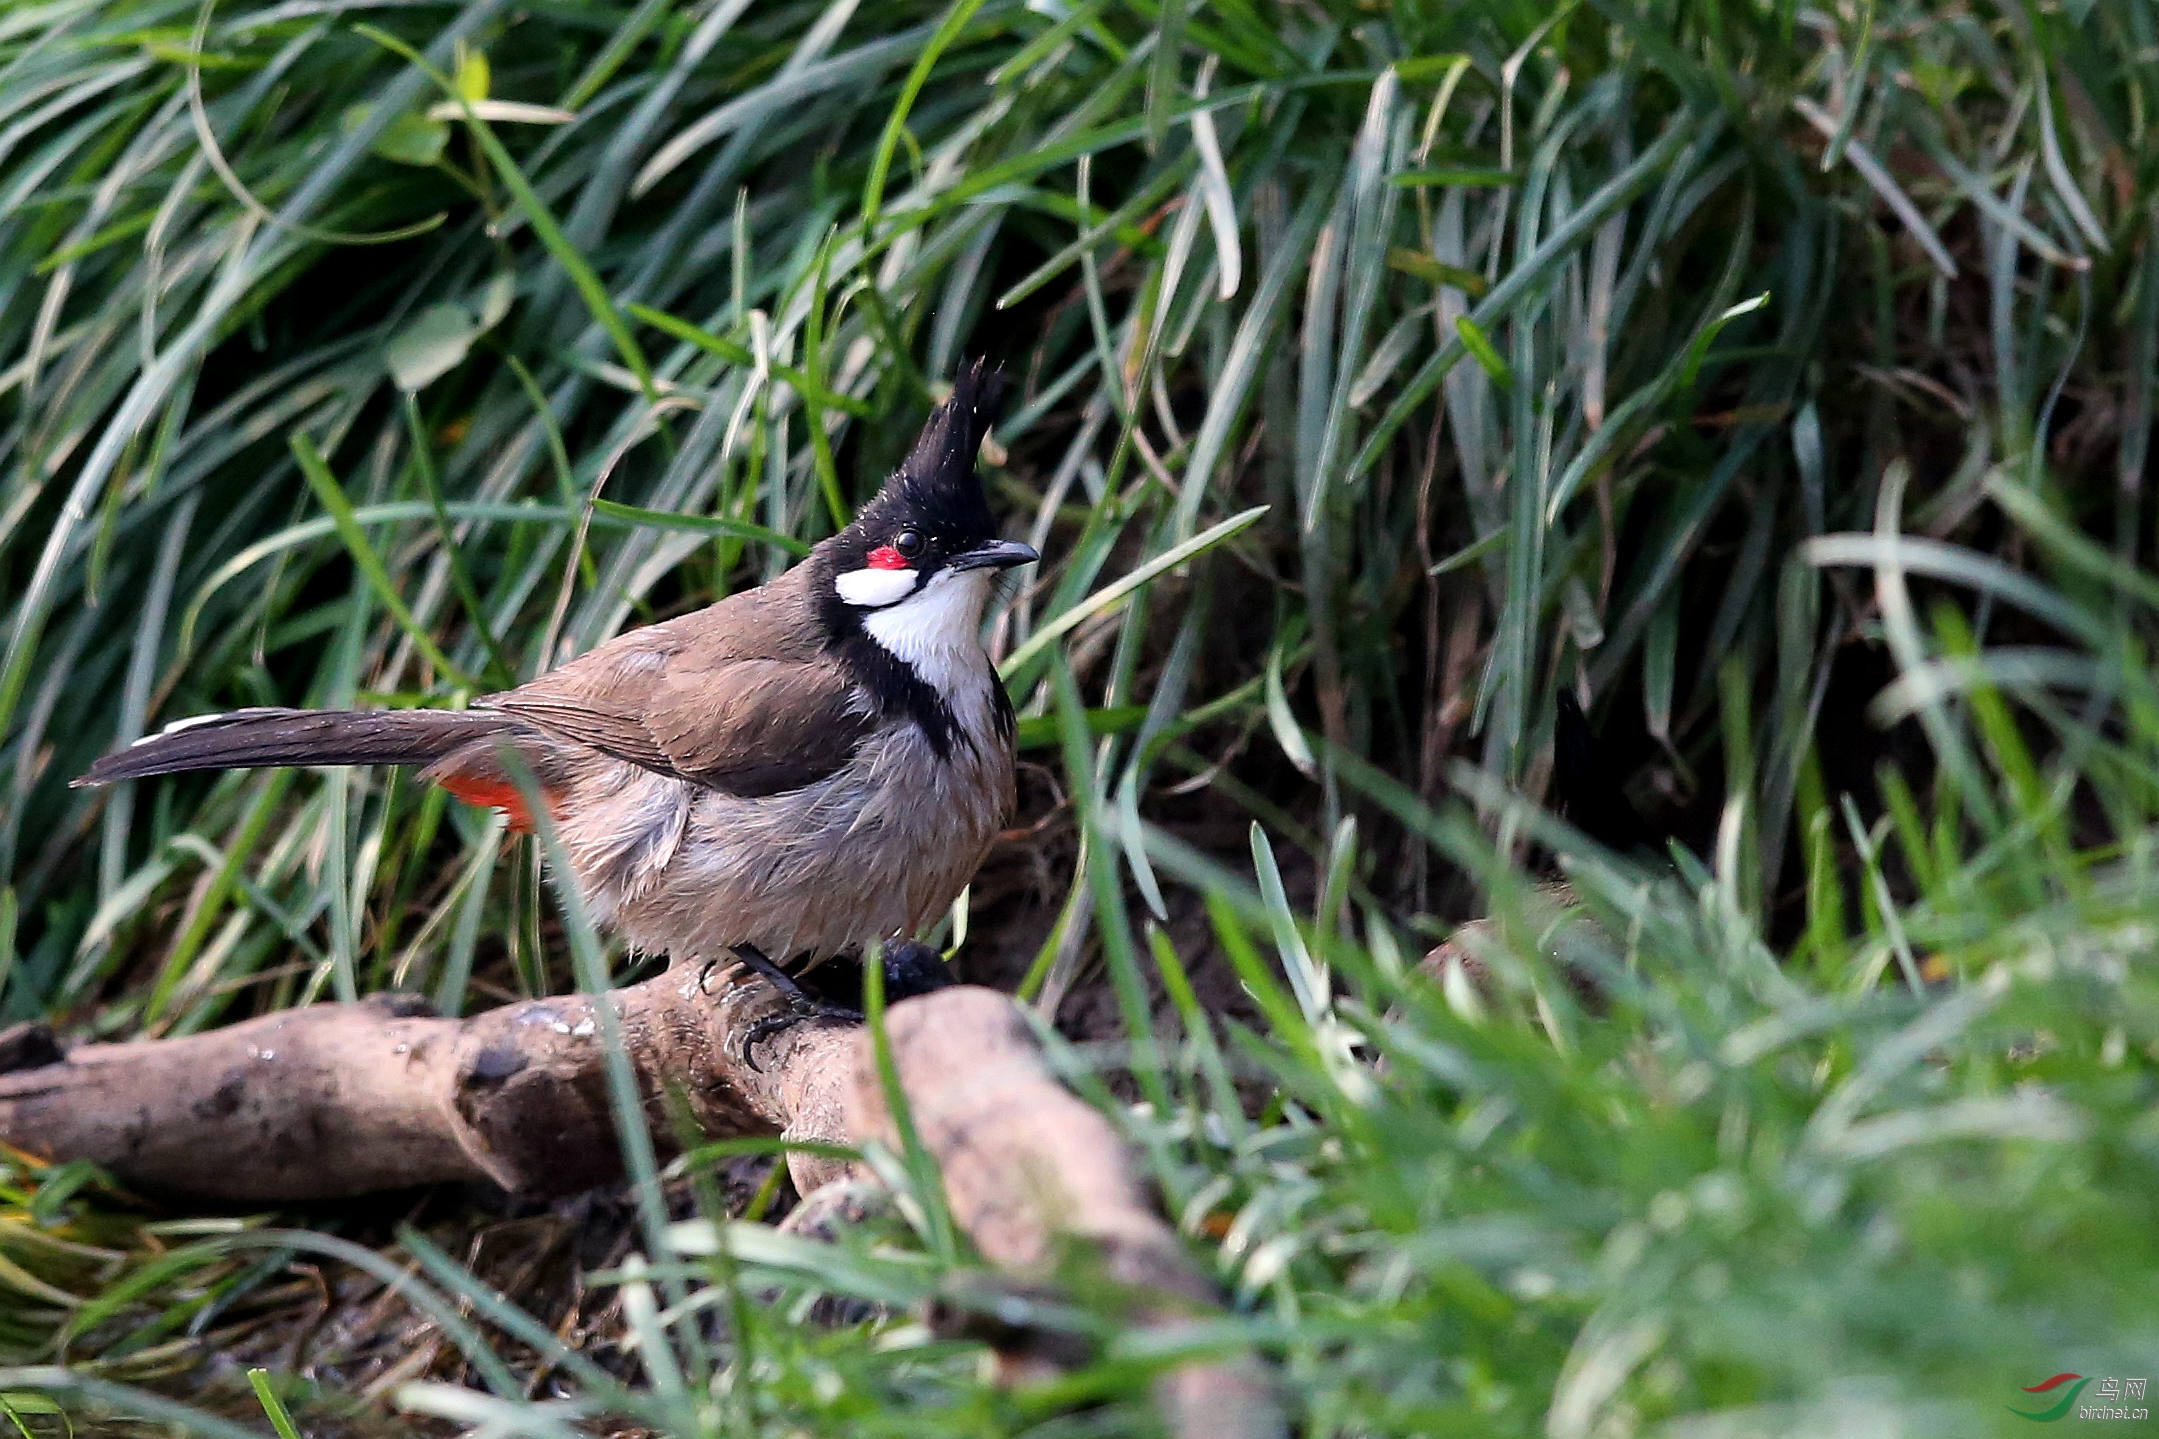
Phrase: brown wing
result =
(740, 697)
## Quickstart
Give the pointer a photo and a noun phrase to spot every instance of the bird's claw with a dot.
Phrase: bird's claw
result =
(792, 1015)
(799, 1007)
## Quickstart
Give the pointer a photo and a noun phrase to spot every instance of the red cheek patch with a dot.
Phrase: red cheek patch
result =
(884, 557)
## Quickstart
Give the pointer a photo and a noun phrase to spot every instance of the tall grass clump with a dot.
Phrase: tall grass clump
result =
(1776, 379)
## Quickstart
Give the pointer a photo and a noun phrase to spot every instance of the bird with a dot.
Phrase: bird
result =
(803, 770)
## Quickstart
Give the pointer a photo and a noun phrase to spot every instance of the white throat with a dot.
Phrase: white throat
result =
(938, 632)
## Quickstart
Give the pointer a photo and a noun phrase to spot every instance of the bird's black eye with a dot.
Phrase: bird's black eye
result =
(908, 543)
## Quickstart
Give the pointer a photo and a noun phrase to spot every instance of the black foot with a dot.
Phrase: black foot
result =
(801, 1004)
(911, 968)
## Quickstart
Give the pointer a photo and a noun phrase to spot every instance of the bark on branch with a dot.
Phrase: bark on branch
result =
(337, 1100)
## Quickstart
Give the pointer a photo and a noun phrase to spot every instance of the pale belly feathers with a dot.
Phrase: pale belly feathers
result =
(875, 852)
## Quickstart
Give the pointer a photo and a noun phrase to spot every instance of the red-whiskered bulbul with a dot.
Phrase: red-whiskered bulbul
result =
(802, 770)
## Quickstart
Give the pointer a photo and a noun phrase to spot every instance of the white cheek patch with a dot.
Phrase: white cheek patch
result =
(874, 589)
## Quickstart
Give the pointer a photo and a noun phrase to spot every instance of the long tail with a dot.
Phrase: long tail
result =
(265, 738)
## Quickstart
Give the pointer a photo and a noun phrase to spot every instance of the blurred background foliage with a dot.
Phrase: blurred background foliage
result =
(1775, 380)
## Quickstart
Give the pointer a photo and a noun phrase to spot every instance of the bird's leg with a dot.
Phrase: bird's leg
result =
(753, 959)
(910, 968)
(801, 1004)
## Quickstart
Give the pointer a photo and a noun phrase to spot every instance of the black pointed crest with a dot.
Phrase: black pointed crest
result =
(938, 479)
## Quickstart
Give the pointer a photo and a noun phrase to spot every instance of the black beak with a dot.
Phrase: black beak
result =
(996, 555)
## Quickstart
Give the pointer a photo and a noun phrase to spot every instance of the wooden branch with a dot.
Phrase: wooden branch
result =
(1030, 1169)
(343, 1099)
